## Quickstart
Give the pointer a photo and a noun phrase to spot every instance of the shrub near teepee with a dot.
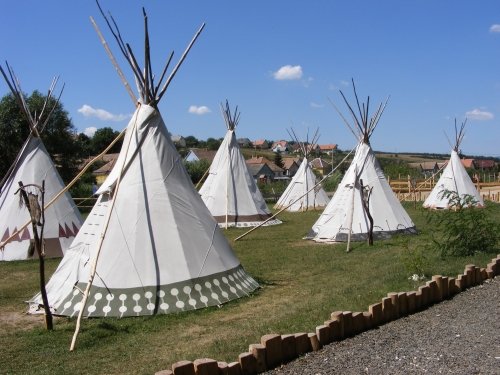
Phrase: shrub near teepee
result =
(463, 231)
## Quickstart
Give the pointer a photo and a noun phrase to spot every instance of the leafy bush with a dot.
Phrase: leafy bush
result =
(331, 183)
(196, 169)
(465, 230)
(412, 257)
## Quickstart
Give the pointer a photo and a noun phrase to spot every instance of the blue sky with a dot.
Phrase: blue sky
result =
(276, 60)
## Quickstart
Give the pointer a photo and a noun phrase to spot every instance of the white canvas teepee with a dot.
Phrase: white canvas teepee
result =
(32, 166)
(454, 178)
(346, 213)
(301, 183)
(161, 250)
(230, 191)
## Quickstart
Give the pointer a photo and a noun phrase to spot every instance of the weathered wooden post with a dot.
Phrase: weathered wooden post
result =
(37, 214)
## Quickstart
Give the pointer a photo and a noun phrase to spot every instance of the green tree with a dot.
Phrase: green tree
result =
(102, 138)
(58, 135)
(213, 144)
(196, 169)
(278, 159)
(401, 169)
(191, 141)
(84, 145)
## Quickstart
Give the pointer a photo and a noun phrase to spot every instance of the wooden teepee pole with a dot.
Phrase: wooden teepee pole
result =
(101, 240)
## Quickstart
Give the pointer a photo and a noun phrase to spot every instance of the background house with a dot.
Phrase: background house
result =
(197, 154)
(262, 144)
(485, 165)
(178, 140)
(426, 168)
(321, 165)
(261, 173)
(291, 166)
(278, 173)
(244, 142)
(329, 148)
(468, 163)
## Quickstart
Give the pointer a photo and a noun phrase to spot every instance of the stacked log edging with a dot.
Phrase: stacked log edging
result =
(275, 350)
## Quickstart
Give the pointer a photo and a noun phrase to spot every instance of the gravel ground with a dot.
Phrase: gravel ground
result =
(457, 336)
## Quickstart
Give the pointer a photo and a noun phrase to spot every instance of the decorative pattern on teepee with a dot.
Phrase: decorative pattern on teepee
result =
(230, 191)
(345, 213)
(162, 251)
(454, 178)
(31, 166)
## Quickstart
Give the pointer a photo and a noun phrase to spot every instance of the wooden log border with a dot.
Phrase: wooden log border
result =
(275, 350)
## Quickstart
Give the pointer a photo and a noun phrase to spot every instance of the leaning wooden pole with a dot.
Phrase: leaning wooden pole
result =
(101, 240)
(202, 177)
(118, 70)
(284, 208)
(67, 186)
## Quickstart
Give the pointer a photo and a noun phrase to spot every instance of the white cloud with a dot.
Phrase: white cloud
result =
(199, 110)
(476, 114)
(89, 132)
(288, 72)
(314, 105)
(495, 29)
(344, 83)
(101, 114)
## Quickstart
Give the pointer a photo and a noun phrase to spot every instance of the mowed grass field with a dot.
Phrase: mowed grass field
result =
(302, 283)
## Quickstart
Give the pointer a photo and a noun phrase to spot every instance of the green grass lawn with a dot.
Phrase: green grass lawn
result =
(302, 283)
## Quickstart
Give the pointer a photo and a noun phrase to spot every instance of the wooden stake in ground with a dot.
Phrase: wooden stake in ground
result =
(30, 201)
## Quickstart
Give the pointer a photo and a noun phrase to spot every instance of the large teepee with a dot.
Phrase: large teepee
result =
(230, 191)
(32, 166)
(454, 178)
(153, 244)
(346, 212)
(302, 182)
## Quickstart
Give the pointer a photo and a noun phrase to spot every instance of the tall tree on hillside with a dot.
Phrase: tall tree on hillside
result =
(58, 135)
(278, 159)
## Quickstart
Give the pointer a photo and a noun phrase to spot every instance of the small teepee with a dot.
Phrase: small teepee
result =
(32, 166)
(302, 182)
(150, 245)
(454, 178)
(230, 191)
(364, 198)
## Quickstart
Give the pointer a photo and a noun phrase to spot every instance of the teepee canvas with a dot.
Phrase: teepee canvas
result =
(230, 191)
(32, 166)
(454, 178)
(154, 245)
(297, 192)
(363, 185)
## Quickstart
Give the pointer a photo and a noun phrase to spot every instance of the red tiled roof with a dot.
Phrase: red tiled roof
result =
(288, 162)
(330, 146)
(204, 154)
(260, 142)
(106, 168)
(279, 143)
(485, 163)
(468, 163)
